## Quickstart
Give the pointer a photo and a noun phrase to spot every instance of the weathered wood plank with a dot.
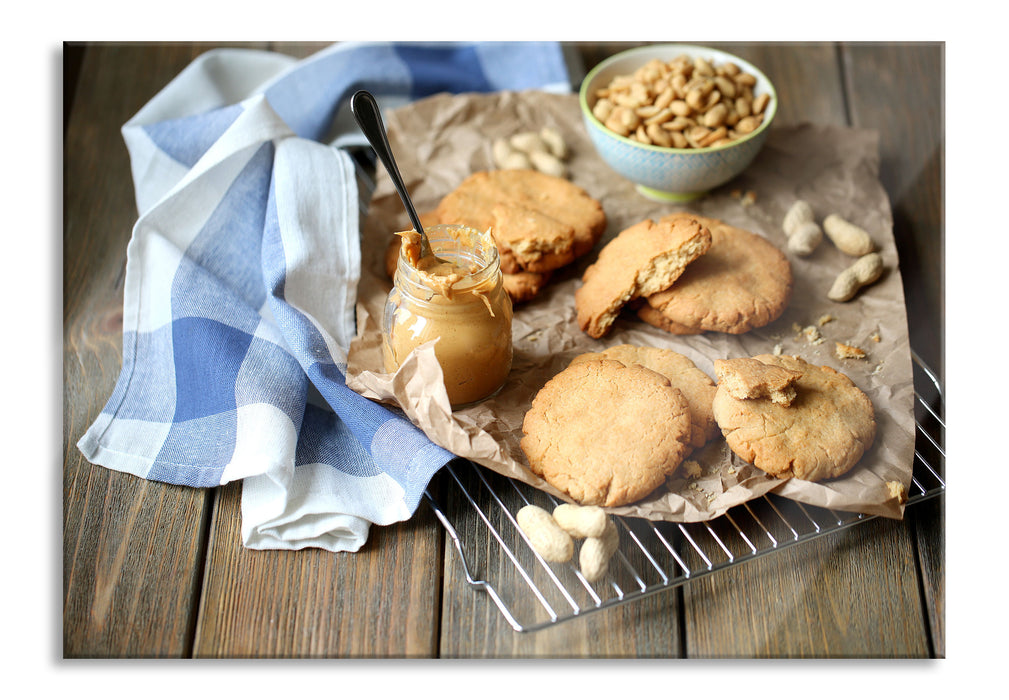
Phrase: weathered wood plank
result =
(898, 89)
(133, 549)
(380, 602)
(827, 598)
(847, 594)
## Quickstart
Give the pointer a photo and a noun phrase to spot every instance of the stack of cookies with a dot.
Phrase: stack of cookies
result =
(540, 223)
(686, 274)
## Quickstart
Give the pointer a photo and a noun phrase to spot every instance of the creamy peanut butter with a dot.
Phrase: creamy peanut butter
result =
(457, 299)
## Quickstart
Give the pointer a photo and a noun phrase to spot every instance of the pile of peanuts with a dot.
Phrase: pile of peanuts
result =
(682, 103)
(552, 535)
(544, 150)
(804, 235)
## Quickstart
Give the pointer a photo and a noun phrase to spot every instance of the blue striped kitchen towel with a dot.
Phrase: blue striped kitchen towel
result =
(241, 280)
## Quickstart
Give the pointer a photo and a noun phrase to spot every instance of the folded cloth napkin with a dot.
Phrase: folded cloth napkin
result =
(241, 280)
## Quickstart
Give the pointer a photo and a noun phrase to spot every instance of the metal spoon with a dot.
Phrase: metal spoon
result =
(369, 118)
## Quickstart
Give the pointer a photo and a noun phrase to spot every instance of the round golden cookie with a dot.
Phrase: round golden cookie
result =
(606, 433)
(682, 373)
(742, 282)
(821, 434)
(540, 222)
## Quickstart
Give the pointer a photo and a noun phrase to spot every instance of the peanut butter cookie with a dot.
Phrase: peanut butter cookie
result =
(821, 434)
(742, 282)
(606, 433)
(642, 260)
(682, 373)
(540, 222)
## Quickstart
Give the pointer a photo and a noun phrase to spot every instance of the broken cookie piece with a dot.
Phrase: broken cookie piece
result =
(897, 491)
(644, 259)
(848, 352)
(748, 378)
(742, 282)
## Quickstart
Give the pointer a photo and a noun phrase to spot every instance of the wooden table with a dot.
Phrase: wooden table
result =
(153, 570)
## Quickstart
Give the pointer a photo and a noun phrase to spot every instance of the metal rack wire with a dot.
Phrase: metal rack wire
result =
(479, 506)
(478, 513)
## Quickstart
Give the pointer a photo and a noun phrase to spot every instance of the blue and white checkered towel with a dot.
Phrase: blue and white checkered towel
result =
(241, 284)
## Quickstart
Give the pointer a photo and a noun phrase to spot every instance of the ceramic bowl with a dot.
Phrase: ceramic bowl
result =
(672, 174)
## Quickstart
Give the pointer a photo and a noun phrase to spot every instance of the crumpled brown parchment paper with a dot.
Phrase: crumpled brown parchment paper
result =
(442, 139)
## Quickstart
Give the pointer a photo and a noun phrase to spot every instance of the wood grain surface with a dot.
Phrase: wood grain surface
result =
(154, 570)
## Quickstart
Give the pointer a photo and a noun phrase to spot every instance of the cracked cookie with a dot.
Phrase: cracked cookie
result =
(742, 282)
(644, 259)
(821, 434)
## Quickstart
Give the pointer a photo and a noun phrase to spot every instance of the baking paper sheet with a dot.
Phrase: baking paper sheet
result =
(441, 140)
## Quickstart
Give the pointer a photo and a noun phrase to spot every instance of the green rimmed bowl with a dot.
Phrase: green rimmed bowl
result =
(672, 174)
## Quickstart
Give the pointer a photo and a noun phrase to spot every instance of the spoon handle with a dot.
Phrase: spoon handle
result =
(369, 118)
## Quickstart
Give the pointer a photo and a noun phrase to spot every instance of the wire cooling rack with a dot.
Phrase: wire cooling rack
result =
(477, 508)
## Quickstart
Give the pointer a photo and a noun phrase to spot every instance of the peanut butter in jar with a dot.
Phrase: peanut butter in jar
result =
(459, 301)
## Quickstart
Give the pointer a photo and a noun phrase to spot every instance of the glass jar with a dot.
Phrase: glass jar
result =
(461, 303)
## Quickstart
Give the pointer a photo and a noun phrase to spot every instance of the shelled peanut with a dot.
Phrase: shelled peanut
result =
(552, 535)
(804, 234)
(596, 552)
(544, 150)
(581, 521)
(848, 237)
(546, 537)
(682, 103)
(866, 270)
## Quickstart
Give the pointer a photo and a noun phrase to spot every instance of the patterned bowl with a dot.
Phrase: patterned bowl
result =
(672, 174)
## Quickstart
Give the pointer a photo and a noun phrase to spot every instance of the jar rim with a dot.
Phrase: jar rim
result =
(484, 255)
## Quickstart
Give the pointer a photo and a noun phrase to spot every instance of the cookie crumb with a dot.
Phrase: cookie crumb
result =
(778, 349)
(875, 337)
(824, 320)
(813, 336)
(692, 469)
(848, 352)
(749, 198)
(897, 491)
